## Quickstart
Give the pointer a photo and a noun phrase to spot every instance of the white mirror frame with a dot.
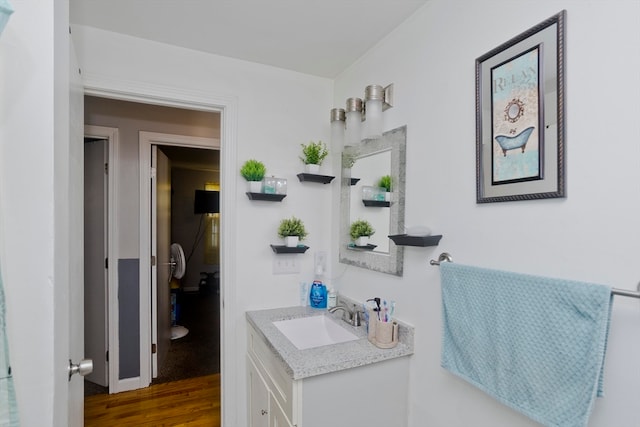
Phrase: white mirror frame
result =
(391, 262)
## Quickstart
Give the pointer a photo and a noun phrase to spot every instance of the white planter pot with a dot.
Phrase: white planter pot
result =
(291, 241)
(314, 169)
(255, 186)
(362, 241)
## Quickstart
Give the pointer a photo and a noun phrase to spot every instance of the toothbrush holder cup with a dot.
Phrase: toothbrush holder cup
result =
(382, 334)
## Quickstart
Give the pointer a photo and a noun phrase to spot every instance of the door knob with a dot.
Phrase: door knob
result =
(85, 367)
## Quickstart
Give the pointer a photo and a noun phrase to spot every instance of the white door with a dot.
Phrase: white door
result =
(70, 252)
(160, 247)
(95, 258)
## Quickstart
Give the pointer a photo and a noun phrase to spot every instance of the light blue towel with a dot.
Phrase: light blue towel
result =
(536, 344)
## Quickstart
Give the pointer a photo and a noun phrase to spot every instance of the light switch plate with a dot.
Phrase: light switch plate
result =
(286, 264)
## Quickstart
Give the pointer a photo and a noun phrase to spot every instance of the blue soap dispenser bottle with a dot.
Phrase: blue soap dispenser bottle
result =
(318, 292)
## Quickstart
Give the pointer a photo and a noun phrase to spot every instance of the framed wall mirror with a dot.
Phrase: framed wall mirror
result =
(363, 166)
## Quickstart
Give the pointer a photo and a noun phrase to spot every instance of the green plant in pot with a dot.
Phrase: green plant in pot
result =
(313, 153)
(348, 160)
(385, 182)
(292, 230)
(253, 171)
(360, 231)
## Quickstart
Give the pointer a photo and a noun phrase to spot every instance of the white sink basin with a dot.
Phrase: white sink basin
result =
(314, 331)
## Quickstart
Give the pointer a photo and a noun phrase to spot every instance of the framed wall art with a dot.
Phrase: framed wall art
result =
(520, 116)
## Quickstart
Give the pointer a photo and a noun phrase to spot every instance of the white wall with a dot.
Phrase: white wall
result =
(131, 118)
(277, 110)
(27, 106)
(592, 235)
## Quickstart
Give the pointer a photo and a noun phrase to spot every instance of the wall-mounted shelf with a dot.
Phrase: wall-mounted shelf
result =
(354, 181)
(376, 203)
(369, 247)
(323, 179)
(281, 249)
(266, 196)
(406, 240)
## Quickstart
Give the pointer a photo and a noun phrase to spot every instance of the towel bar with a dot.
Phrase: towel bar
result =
(446, 257)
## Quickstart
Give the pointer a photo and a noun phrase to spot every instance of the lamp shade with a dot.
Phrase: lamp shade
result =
(337, 129)
(353, 121)
(374, 96)
(206, 202)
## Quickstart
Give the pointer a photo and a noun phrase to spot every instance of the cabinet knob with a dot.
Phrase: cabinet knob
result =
(264, 411)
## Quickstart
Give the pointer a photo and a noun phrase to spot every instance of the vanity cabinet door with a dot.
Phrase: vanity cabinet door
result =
(277, 418)
(258, 397)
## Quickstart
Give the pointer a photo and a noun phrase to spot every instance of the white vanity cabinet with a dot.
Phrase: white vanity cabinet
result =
(264, 410)
(372, 395)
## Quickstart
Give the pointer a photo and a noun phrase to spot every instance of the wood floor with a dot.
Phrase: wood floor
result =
(191, 402)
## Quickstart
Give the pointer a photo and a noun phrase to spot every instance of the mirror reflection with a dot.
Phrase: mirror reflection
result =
(362, 199)
(370, 169)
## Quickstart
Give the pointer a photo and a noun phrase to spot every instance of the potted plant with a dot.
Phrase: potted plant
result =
(360, 231)
(253, 171)
(385, 182)
(292, 230)
(313, 154)
(348, 160)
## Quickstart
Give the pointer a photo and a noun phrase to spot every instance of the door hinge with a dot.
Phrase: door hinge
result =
(106, 263)
(106, 168)
(106, 356)
(153, 260)
(152, 172)
(154, 348)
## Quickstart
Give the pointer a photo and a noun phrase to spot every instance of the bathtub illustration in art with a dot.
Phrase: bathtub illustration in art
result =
(512, 142)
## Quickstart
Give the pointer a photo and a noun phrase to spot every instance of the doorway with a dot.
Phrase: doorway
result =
(130, 113)
(96, 192)
(143, 92)
(194, 348)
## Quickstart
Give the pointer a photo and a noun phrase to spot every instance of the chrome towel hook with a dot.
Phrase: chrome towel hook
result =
(444, 256)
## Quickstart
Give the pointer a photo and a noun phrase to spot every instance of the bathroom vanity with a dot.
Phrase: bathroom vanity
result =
(351, 383)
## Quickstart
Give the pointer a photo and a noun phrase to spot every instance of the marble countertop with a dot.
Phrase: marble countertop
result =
(329, 358)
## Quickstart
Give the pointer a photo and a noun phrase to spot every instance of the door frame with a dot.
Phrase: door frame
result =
(111, 135)
(139, 91)
(148, 276)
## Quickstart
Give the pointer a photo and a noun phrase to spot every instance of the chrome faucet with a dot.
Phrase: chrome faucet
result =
(353, 317)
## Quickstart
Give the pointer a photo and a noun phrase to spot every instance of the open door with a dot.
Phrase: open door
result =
(104, 177)
(95, 257)
(160, 248)
(69, 248)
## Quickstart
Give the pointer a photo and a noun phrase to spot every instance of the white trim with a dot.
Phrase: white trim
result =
(153, 251)
(113, 141)
(143, 92)
(155, 138)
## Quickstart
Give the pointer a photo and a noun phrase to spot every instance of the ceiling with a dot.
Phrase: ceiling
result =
(317, 37)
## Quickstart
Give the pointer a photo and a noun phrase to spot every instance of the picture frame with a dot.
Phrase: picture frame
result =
(520, 129)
